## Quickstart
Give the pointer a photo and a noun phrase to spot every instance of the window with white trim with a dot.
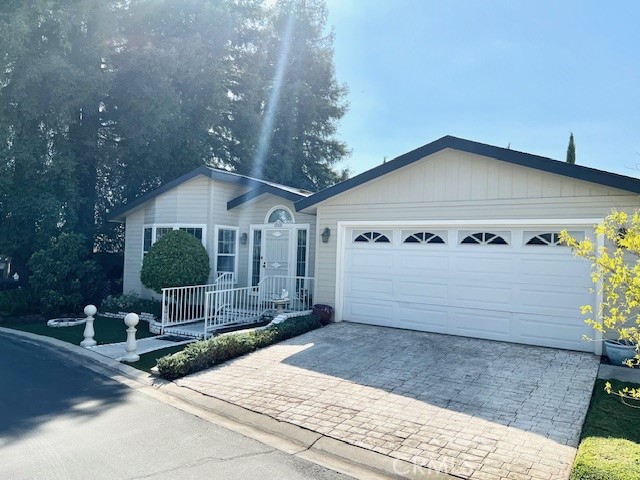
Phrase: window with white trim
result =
(227, 250)
(279, 212)
(152, 233)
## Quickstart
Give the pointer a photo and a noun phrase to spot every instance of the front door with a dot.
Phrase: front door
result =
(276, 252)
(279, 251)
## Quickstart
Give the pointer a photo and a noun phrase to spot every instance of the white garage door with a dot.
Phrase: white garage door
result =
(511, 284)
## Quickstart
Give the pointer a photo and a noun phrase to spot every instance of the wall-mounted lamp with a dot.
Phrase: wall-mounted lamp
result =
(243, 239)
(326, 233)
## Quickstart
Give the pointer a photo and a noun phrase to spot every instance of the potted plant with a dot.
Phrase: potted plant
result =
(324, 312)
(620, 351)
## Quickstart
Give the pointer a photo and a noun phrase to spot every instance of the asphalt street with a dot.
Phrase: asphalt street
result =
(59, 420)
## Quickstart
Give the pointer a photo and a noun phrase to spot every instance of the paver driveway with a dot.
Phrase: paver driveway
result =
(472, 408)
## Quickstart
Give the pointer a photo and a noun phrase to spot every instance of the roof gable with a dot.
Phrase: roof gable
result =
(544, 164)
(258, 187)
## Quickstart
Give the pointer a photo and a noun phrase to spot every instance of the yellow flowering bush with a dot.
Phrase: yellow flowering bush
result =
(616, 272)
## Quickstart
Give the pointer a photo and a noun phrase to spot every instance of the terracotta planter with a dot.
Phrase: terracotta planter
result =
(324, 312)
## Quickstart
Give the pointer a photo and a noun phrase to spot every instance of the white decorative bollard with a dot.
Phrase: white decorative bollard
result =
(89, 332)
(131, 320)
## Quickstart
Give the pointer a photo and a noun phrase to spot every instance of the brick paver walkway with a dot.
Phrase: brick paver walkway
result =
(472, 408)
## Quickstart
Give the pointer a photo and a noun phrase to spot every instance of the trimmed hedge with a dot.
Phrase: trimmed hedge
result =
(205, 354)
(130, 303)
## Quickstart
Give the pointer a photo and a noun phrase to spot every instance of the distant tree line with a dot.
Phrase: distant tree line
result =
(104, 100)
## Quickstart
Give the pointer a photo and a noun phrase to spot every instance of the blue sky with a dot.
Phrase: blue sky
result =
(497, 72)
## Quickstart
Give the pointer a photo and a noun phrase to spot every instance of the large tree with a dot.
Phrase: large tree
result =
(295, 117)
(49, 98)
(103, 100)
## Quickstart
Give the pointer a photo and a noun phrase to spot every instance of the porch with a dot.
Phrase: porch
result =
(200, 311)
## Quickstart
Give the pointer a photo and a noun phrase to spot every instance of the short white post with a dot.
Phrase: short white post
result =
(131, 320)
(89, 332)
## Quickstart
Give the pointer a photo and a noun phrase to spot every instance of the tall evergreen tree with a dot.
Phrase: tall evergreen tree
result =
(49, 93)
(571, 150)
(103, 100)
(299, 144)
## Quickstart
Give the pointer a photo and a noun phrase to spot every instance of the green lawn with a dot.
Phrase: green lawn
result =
(610, 446)
(148, 360)
(108, 330)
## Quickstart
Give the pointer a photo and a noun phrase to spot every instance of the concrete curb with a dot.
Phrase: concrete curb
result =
(312, 446)
(622, 373)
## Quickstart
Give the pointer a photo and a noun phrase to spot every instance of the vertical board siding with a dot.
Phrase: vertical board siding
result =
(459, 176)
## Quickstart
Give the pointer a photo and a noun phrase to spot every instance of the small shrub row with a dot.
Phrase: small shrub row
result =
(130, 303)
(205, 354)
(22, 301)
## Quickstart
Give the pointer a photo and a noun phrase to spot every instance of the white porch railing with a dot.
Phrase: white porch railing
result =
(249, 304)
(182, 305)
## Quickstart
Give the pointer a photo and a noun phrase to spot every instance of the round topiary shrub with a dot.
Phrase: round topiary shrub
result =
(178, 259)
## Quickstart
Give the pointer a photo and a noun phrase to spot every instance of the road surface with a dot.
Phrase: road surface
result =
(59, 420)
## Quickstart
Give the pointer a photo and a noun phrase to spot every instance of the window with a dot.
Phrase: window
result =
(227, 250)
(301, 254)
(255, 259)
(372, 237)
(148, 240)
(280, 213)
(424, 237)
(196, 232)
(152, 233)
(550, 238)
(484, 238)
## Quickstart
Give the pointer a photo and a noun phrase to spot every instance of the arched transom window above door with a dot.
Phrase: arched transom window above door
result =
(281, 213)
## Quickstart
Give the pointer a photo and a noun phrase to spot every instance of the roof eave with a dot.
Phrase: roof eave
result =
(262, 189)
(549, 165)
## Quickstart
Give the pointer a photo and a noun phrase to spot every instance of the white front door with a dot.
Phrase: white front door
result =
(278, 251)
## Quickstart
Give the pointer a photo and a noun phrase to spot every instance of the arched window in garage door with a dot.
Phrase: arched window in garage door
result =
(424, 237)
(372, 237)
(484, 238)
(549, 238)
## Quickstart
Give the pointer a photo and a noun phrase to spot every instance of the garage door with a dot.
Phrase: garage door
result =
(512, 284)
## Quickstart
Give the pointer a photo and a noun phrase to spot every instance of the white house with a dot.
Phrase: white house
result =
(454, 237)
(249, 227)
